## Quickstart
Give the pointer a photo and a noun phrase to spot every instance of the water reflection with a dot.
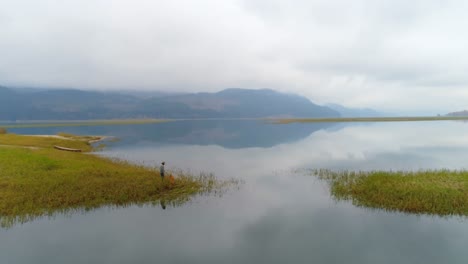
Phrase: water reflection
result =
(229, 232)
(332, 236)
(276, 217)
(225, 133)
(162, 202)
(383, 146)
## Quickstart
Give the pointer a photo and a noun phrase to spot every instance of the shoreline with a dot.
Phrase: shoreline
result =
(91, 141)
(38, 180)
(282, 121)
(64, 140)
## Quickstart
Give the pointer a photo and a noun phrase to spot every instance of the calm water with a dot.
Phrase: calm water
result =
(277, 216)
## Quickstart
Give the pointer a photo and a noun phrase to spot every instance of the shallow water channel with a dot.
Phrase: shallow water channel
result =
(277, 215)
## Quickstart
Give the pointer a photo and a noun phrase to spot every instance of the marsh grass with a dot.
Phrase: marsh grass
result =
(43, 181)
(433, 192)
(3, 130)
(365, 119)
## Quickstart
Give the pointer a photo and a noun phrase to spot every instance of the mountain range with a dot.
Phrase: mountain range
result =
(459, 113)
(69, 104)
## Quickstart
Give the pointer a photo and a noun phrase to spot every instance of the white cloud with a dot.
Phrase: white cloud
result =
(393, 55)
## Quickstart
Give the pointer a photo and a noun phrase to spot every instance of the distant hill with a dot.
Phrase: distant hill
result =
(64, 104)
(355, 112)
(230, 103)
(459, 113)
(236, 103)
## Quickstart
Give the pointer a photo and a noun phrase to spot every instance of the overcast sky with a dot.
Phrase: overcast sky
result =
(391, 55)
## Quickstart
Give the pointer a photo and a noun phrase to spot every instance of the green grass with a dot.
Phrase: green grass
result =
(88, 123)
(434, 192)
(365, 119)
(43, 181)
(77, 142)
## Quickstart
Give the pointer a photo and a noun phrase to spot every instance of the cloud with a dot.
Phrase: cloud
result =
(359, 53)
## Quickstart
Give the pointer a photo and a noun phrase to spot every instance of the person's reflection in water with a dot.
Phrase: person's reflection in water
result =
(162, 202)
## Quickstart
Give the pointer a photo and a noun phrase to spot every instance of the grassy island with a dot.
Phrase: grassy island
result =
(37, 180)
(434, 192)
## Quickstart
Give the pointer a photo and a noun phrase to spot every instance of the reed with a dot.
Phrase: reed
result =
(435, 192)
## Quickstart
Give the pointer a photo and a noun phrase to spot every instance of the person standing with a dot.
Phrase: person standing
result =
(161, 170)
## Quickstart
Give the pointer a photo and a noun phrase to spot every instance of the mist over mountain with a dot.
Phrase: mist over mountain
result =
(68, 104)
(355, 112)
(458, 113)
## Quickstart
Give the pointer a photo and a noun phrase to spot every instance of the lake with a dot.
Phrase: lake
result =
(278, 214)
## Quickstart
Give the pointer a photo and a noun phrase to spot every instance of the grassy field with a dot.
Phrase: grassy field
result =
(434, 192)
(365, 119)
(85, 123)
(63, 140)
(37, 180)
